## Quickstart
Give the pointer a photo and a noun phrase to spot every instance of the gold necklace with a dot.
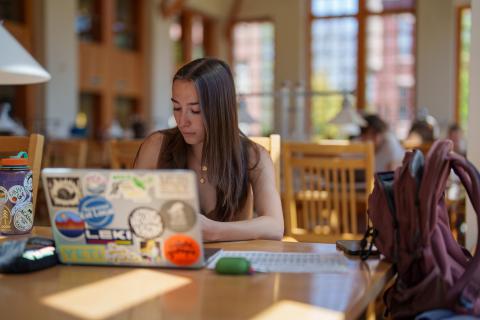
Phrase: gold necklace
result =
(202, 171)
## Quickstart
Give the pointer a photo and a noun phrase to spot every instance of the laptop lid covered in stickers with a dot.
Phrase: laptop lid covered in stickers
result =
(125, 217)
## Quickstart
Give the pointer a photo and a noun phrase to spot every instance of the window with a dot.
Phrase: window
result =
(87, 21)
(125, 25)
(364, 47)
(253, 68)
(192, 34)
(464, 28)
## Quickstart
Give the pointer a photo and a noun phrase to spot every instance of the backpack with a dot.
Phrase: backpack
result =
(411, 229)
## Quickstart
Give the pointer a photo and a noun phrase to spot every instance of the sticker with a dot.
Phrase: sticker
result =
(64, 192)
(95, 183)
(17, 194)
(6, 219)
(96, 211)
(181, 216)
(121, 254)
(23, 216)
(150, 250)
(176, 185)
(82, 254)
(131, 187)
(181, 250)
(28, 182)
(147, 223)
(3, 195)
(103, 236)
(69, 224)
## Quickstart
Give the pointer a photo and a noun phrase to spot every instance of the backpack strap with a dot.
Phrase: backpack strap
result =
(468, 286)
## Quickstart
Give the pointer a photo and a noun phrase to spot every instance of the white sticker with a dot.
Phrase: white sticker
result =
(17, 194)
(28, 182)
(23, 216)
(3, 195)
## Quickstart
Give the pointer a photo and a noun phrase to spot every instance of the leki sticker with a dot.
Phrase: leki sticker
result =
(95, 183)
(132, 187)
(3, 195)
(28, 182)
(181, 250)
(181, 216)
(17, 194)
(6, 219)
(96, 211)
(121, 254)
(175, 185)
(103, 236)
(69, 224)
(64, 192)
(23, 216)
(150, 250)
(146, 223)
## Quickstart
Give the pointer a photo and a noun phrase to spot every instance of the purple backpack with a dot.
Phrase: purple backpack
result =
(411, 229)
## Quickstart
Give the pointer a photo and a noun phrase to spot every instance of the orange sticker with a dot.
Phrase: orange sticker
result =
(181, 250)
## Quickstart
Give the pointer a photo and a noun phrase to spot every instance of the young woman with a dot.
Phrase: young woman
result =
(234, 174)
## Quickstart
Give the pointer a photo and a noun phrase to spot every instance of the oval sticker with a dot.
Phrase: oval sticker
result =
(181, 250)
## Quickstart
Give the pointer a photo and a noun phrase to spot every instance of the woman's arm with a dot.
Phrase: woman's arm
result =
(267, 204)
(147, 155)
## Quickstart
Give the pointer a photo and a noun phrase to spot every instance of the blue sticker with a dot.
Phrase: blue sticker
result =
(96, 211)
(69, 224)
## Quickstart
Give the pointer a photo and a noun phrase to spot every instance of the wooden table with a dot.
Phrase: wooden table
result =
(88, 292)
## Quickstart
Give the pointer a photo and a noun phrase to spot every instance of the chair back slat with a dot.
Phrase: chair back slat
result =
(273, 145)
(71, 153)
(123, 153)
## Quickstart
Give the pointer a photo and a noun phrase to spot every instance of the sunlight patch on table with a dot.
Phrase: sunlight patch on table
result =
(102, 299)
(288, 309)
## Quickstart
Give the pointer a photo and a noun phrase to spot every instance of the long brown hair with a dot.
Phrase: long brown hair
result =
(225, 148)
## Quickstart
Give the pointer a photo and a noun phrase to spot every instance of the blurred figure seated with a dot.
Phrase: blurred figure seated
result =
(455, 133)
(421, 132)
(388, 150)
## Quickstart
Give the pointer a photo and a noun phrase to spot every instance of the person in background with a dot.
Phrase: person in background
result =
(421, 132)
(388, 150)
(455, 133)
(235, 175)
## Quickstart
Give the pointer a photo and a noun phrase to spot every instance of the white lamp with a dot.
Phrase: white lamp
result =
(16, 65)
(348, 119)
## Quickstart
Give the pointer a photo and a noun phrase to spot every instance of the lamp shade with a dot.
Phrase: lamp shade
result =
(17, 66)
(348, 115)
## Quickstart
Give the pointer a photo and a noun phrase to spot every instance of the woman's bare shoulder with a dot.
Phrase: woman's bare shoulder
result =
(147, 156)
(155, 139)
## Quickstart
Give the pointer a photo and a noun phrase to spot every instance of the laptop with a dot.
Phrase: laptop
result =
(125, 217)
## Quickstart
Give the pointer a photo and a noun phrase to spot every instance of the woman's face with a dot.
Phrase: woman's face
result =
(187, 112)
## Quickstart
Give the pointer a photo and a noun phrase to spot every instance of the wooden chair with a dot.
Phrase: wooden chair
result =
(272, 144)
(123, 152)
(71, 153)
(326, 186)
(11, 145)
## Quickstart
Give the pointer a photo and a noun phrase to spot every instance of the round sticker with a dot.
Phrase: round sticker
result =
(3, 195)
(23, 216)
(181, 250)
(17, 194)
(28, 182)
(69, 224)
(146, 223)
(96, 211)
(95, 183)
(181, 216)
